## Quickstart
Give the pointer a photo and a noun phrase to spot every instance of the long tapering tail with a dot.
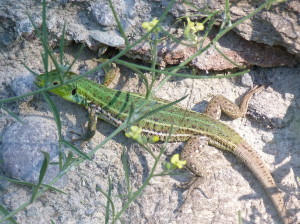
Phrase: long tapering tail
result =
(252, 159)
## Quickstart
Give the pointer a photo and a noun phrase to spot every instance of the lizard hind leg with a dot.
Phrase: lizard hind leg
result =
(192, 154)
(220, 104)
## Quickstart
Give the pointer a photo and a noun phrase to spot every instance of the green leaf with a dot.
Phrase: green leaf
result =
(4, 212)
(124, 159)
(54, 111)
(76, 150)
(12, 114)
(43, 170)
(15, 181)
(62, 44)
(109, 201)
(54, 189)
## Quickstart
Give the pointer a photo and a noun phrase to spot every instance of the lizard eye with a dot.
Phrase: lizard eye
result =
(73, 92)
(55, 83)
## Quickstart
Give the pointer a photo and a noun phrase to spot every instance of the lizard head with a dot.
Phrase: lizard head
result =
(67, 91)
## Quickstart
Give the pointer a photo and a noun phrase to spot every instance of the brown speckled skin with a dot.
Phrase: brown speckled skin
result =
(192, 150)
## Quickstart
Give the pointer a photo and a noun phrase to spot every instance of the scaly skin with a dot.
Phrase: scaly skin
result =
(113, 106)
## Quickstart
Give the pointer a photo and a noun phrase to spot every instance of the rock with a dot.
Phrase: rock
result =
(242, 52)
(85, 21)
(21, 150)
(24, 27)
(23, 84)
(103, 14)
(278, 26)
(110, 38)
(93, 23)
(247, 80)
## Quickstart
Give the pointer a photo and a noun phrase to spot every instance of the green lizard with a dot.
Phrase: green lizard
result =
(197, 129)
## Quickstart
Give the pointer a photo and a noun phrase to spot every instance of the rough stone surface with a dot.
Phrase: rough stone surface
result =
(243, 53)
(89, 22)
(247, 80)
(278, 26)
(103, 14)
(23, 85)
(22, 145)
(240, 51)
(92, 23)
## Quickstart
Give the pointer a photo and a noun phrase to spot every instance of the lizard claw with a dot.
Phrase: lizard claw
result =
(194, 183)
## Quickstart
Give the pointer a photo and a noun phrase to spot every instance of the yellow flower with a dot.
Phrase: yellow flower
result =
(190, 23)
(191, 28)
(154, 139)
(177, 162)
(199, 26)
(134, 133)
(149, 25)
(146, 26)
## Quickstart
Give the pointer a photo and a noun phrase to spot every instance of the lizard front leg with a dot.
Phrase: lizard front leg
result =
(92, 124)
(111, 71)
(220, 104)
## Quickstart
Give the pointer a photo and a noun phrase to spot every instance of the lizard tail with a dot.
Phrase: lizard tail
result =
(252, 159)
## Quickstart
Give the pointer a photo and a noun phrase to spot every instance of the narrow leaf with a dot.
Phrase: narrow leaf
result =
(76, 57)
(17, 181)
(54, 111)
(54, 188)
(4, 212)
(12, 114)
(43, 170)
(108, 201)
(62, 44)
(124, 159)
(76, 150)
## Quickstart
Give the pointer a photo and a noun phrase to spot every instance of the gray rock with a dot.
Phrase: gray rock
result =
(102, 13)
(90, 211)
(7, 39)
(22, 85)
(85, 20)
(110, 38)
(247, 80)
(278, 25)
(24, 27)
(21, 149)
(31, 212)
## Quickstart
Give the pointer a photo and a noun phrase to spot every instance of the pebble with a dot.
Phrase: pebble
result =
(110, 38)
(22, 85)
(21, 148)
(24, 27)
(247, 80)
(89, 211)
(103, 15)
